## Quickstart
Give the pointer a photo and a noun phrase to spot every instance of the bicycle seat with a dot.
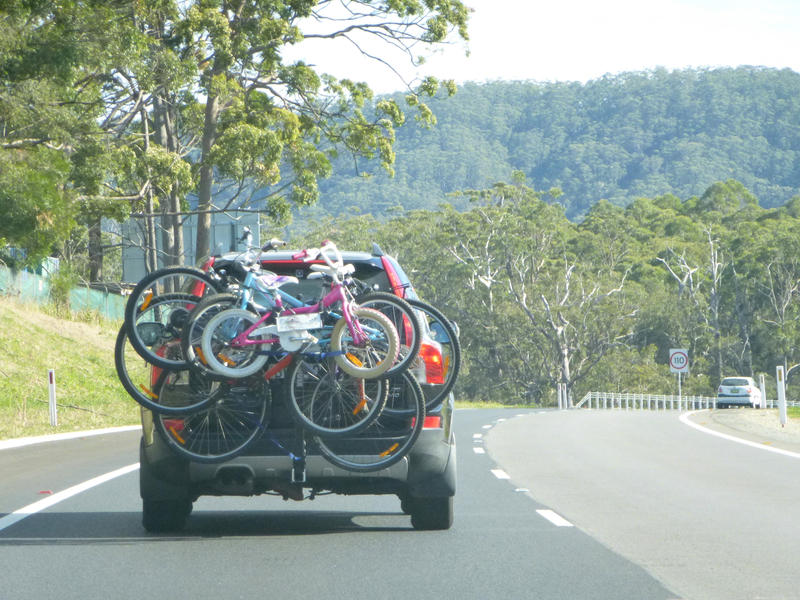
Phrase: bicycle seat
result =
(273, 280)
(333, 271)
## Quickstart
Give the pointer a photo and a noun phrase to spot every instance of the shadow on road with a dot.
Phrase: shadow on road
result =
(54, 528)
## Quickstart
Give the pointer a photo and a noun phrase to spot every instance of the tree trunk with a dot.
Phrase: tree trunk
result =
(203, 244)
(95, 251)
(172, 233)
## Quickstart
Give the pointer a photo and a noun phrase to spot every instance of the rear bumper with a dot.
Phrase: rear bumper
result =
(429, 470)
(737, 400)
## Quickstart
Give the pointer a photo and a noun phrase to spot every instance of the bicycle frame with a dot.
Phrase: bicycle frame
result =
(337, 295)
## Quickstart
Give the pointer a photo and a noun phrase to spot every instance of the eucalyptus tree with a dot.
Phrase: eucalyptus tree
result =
(51, 148)
(164, 84)
(263, 122)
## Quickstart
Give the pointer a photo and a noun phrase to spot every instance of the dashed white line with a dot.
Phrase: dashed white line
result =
(487, 427)
(27, 511)
(477, 436)
(478, 450)
(554, 518)
(500, 474)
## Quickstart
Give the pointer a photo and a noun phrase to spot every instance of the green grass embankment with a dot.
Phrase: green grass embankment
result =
(88, 392)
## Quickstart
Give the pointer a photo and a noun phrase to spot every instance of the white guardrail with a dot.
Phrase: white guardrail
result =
(629, 401)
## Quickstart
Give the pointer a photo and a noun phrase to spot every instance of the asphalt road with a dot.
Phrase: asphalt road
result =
(711, 518)
(92, 545)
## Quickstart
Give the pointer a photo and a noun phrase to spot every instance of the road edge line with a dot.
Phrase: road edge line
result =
(40, 505)
(686, 421)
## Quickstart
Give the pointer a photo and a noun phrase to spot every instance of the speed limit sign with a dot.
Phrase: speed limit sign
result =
(679, 360)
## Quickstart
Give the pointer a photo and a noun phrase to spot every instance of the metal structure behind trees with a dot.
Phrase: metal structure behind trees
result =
(226, 228)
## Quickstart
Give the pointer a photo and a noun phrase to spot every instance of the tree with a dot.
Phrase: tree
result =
(259, 119)
(152, 84)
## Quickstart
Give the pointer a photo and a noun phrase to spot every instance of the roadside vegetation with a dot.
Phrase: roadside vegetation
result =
(33, 340)
(597, 305)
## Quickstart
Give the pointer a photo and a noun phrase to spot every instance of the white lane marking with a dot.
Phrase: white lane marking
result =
(27, 441)
(27, 511)
(500, 474)
(487, 427)
(478, 450)
(554, 518)
(686, 421)
(477, 436)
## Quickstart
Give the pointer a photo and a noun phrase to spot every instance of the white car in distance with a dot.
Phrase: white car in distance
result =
(738, 391)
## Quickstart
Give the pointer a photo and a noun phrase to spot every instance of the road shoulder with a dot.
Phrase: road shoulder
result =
(757, 426)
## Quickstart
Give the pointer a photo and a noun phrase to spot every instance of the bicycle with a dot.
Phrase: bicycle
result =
(363, 342)
(237, 420)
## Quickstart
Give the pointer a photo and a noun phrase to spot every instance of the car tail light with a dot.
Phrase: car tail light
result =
(208, 264)
(173, 424)
(175, 428)
(200, 287)
(430, 422)
(434, 364)
(398, 288)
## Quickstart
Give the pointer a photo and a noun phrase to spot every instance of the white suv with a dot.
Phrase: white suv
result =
(738, 391)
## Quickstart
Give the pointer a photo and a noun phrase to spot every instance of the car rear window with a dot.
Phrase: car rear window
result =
(735, 381)
(311, 290)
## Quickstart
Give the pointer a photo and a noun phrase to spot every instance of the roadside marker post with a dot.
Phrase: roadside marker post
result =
(781, 380)
(762, 386)
(51, 376)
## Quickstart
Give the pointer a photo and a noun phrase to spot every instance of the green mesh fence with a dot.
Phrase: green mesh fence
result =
(31, 287)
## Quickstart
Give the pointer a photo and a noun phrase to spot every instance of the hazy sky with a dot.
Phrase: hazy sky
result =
(579, 40)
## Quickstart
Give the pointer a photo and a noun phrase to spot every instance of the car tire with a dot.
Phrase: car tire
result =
(429, 514)
(159, 516)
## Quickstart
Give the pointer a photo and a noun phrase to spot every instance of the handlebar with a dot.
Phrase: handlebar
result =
(328, 247)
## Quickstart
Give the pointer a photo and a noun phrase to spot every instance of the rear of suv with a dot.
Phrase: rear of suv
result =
(424, 480)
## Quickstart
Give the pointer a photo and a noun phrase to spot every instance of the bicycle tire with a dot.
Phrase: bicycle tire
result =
(225, 429)
(389, 438)
(191, 340)
(376, 356)
(227, 360)
(405, 322)
(441, 330)
(140, 381)
(192, 282)
(328, 401)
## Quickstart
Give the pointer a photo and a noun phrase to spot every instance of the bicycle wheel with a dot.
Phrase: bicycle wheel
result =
(327, 401)
(200, 315)
(224, 358)
(159, 305)
(405, 321)
(373, 357)
(237, 417)
(441, 371)
(389, 438)
(140, 380)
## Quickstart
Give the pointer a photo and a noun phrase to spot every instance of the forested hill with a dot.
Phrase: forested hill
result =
(617, 138)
